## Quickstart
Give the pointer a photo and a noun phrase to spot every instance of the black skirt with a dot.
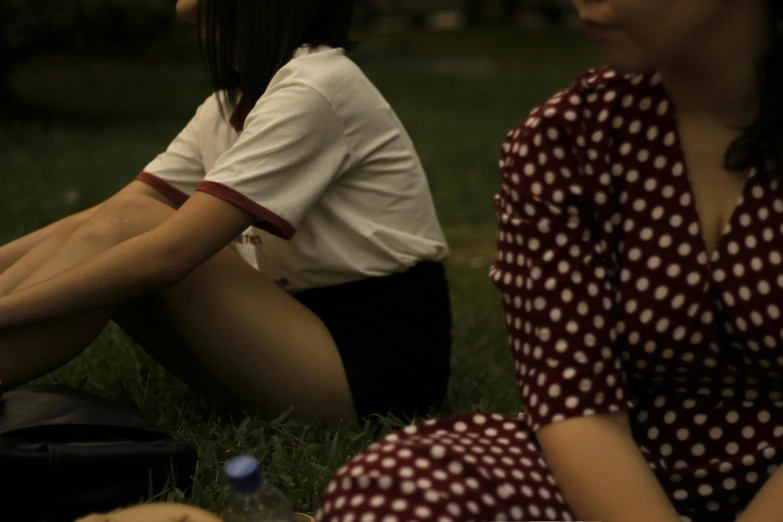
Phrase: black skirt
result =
(394, 337)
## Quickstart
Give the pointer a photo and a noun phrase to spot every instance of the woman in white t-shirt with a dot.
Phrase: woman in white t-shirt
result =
(337, 303)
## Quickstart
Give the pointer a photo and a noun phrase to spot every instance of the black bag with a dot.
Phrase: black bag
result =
(65, 453)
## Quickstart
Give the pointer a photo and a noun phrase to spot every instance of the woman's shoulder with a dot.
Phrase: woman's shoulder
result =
(326, 74)
(595, 100)
(563, 145)
(322, 68)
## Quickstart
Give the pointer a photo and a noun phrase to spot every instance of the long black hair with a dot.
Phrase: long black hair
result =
(764, 137)
(244, 43)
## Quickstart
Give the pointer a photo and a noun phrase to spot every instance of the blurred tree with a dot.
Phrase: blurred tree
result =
(477, 10)
(553, 11)
(95, 27)
(366, 12)
(5, 55)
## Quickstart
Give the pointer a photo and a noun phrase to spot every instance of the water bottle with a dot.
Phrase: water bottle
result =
(252, 498)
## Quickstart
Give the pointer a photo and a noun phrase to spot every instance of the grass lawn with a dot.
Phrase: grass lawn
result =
(457, 93)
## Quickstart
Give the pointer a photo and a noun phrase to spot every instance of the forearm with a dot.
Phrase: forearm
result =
(86, 279)
(16, 250)
(115, 258)
(768, 504)
(40, 254)
(602, 473)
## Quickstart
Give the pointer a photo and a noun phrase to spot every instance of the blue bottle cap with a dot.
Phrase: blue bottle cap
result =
(244, 474)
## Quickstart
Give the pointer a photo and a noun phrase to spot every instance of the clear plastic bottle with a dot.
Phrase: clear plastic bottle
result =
(252, 498)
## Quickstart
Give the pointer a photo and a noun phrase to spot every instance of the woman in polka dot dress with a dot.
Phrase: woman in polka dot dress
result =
(640, 258)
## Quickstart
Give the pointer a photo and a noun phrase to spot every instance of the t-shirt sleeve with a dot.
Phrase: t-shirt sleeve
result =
(555, 271)
(177, 172)
(292, 149)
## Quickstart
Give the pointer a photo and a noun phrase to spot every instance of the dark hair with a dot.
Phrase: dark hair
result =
(764, 137)
(244, 43)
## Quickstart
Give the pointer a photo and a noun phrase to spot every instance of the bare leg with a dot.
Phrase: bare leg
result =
(147, 321)
(143, 319)
(268, 350)
(54, 343)
(32, 352)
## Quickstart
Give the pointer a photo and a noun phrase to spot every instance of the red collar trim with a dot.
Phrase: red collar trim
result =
(237, 120)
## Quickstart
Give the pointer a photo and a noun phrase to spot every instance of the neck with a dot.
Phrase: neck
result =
(718, 85)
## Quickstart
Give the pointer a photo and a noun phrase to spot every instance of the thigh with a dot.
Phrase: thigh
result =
(33, 351)
(465, 468)
(268, 350)
(147, 322)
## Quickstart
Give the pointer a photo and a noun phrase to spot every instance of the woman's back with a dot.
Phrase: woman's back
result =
(321, 154)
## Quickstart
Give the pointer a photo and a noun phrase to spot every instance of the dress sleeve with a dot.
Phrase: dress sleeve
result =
(177, 172)
(555, 271)
(292, 149)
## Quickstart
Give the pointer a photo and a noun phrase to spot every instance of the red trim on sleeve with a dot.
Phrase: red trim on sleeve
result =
(268, 220)
(168, 191)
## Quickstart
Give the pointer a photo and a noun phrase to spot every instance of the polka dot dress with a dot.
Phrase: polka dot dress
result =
(612, 303)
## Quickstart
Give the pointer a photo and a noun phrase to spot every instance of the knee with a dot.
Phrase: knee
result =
(116, 221)
(465, 467)
(398, 475)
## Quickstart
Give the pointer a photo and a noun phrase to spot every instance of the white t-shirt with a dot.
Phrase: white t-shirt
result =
(326, 167)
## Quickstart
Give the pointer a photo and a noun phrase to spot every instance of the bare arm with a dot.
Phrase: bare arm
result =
(768, 504)
(16, 250)
(601, 471)
(146, 263)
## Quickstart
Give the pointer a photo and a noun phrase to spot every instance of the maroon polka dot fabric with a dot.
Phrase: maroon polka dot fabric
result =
(612, 302)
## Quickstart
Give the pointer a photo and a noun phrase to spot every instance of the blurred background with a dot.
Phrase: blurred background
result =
(92, 90)
(459, 72)
(125, 28)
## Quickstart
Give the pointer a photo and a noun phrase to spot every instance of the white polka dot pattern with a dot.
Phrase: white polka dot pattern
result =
(471, 468)
(612, 303)
(555, 267)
